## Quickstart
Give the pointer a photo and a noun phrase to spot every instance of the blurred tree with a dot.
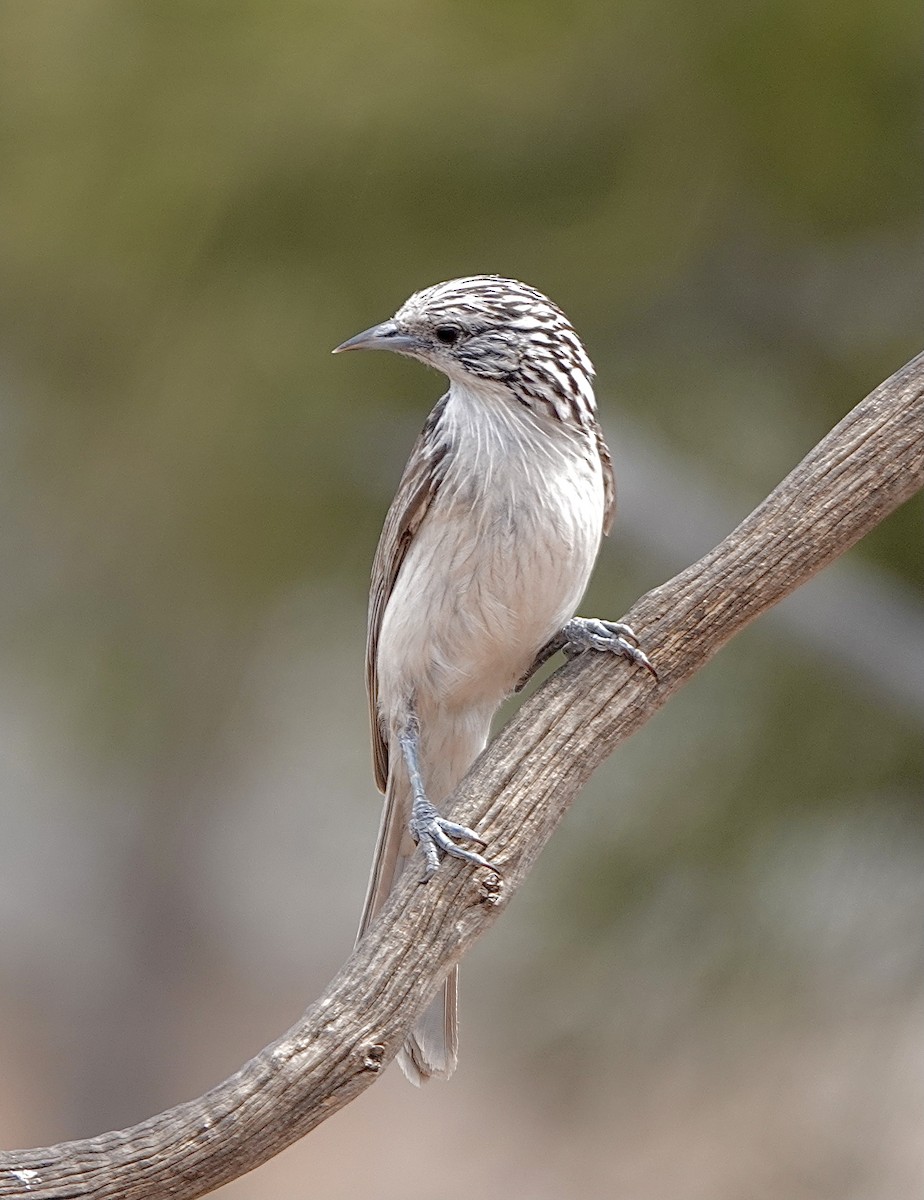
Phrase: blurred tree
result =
(196, 202)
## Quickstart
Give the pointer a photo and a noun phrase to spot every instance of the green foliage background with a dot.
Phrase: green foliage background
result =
(197, 201)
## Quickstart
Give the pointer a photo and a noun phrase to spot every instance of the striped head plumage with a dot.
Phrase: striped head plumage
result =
(485, 329)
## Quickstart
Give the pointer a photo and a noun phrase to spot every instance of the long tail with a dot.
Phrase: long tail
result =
(432, 1047)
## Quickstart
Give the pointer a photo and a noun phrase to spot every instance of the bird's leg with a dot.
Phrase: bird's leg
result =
(589, 633)
(428, 829)
(552, 646)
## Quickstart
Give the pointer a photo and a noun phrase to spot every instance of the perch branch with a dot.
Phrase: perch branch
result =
(516, 794)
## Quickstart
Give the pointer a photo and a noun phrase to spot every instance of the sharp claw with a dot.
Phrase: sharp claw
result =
(642, 659)
(626, 632)
(435, 834)
(454, 851)
(583, 633)
(451, 829)
(432, 860)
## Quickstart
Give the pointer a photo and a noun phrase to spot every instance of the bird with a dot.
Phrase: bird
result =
(483, 559)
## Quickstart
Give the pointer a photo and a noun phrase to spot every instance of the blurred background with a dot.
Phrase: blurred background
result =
(713, 984)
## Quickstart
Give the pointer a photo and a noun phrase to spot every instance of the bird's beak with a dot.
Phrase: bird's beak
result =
(386, 336)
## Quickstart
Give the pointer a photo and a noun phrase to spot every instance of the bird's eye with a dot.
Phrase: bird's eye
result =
(448, 334)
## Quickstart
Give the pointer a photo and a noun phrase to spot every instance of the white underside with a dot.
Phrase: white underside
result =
(498, 566)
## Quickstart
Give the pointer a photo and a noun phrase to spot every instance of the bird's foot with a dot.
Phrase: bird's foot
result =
(435, 834)
(432, 832)
(589, 633)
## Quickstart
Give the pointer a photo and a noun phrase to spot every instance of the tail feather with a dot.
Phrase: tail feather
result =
(432, 1046)
(393, 848)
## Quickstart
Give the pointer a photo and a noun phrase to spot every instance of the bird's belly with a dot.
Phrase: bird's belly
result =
(481, 591)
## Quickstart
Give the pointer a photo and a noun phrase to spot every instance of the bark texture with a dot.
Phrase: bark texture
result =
(515, 795)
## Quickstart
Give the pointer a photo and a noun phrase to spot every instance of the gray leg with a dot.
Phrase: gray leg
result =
(431, 831)
(587, 633)
(552, 646)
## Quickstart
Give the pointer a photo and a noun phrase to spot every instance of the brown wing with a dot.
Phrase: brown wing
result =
(419, 484)
(609, 481)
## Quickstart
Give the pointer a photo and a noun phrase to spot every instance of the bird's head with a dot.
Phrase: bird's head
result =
(488, 330)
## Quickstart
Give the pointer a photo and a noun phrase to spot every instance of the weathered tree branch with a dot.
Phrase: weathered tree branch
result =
(516, 795)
